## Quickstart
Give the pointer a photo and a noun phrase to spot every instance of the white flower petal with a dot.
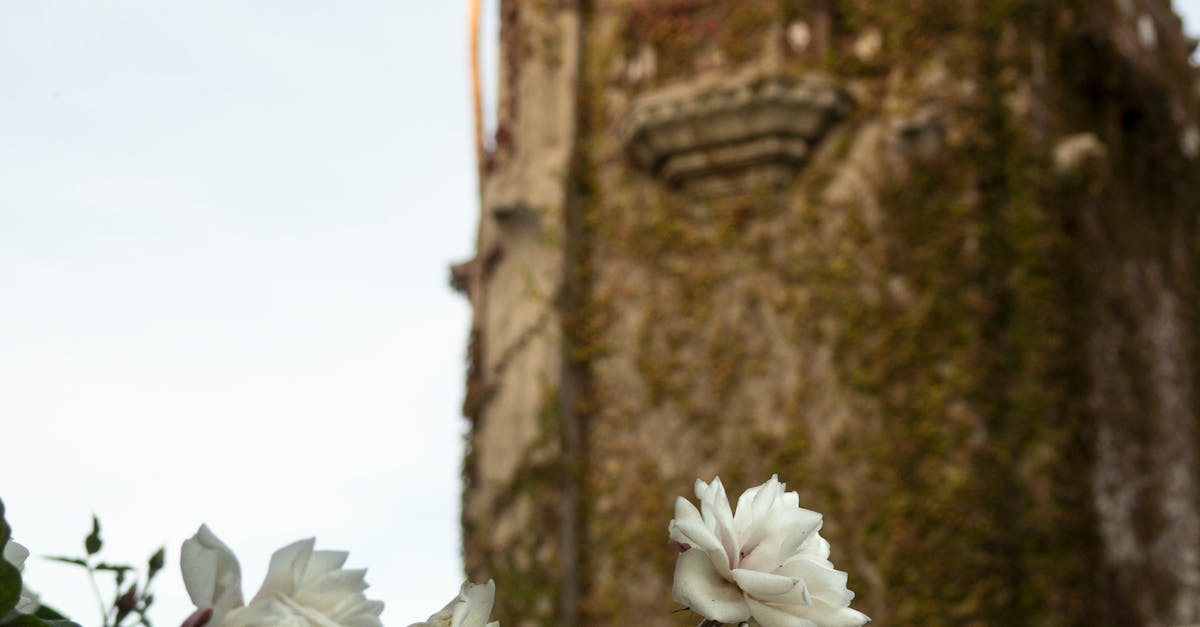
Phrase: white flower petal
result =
(302, 588)
(769, 616)
(469, 609)
(366, 616)
(743, 514)
(689, 528)
(286, 570)
(273, 612)
(211, 574)
(199, 574)
(15, 554)
(714, 507)
(355, 610)
(801, 525)
(27, 602)
(817, 547)
(338, 594)
(770, 552)
(767, 497)
(695, 533)
(442, 617)
(301, 614)
(782, 533)
(760, 584)
(698, 586)
(773, 588)
(824, 582)
(476, 606)
(831, 616)
(755, 505)
(326, 561)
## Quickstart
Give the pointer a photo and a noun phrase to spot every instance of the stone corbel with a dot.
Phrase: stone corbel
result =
(731, 135)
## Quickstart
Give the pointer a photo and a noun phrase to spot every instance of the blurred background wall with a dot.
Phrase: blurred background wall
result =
(933, 262)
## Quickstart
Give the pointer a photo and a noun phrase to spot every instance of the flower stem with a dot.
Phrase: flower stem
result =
(96, 591)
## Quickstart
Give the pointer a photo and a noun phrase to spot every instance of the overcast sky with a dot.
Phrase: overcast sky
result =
(225, 229)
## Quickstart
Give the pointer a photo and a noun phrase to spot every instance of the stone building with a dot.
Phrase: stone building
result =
(932, 261)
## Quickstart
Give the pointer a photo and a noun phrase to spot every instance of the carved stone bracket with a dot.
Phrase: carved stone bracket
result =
(734, 134)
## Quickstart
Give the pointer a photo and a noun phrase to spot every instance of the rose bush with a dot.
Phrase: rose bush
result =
(303, 587)
(765, 563)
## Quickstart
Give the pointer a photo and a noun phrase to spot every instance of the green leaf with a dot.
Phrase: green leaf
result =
(5, 531)
(67, 560)
(93, 543)
(116, 568)
(30, 620)
(10, 587)
(45, 612)
(37, 619)
(156, 563)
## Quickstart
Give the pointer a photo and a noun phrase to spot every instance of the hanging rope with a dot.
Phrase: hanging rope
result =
(476, 98)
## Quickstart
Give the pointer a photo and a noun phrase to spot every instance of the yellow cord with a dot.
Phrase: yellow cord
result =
(475, 95)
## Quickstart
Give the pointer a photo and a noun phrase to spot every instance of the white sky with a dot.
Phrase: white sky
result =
(225, 229)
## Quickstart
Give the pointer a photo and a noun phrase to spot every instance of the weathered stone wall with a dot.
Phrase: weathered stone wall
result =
(1137, 235)
(517, 517)
(963, 328)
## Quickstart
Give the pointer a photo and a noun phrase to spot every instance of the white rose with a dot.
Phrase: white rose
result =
(471, 608)
(303, 587)
(16, 555)
(766, 562)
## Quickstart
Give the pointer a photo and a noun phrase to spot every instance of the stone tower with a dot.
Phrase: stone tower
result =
(932, 261)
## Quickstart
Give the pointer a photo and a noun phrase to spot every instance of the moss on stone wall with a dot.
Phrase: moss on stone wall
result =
(907, 354)
(946, 311)
(526, 566)
(684, 32)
